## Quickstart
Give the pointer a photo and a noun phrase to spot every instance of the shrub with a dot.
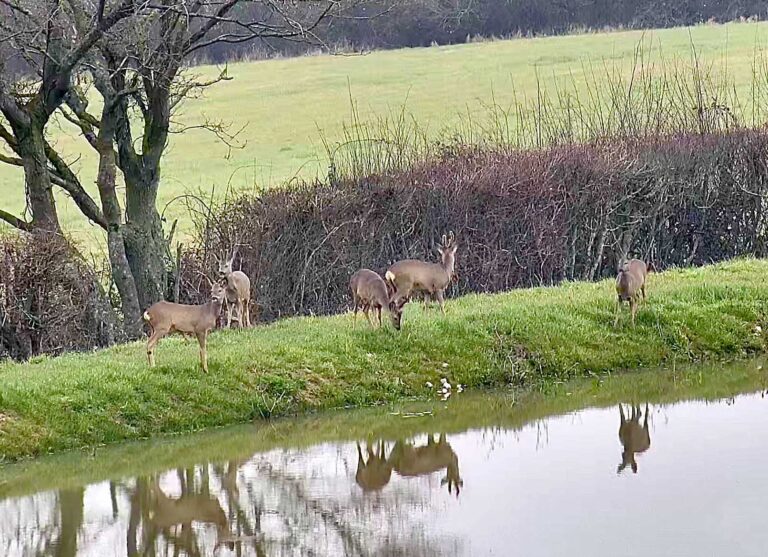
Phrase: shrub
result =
(50, 300)
(522, 218)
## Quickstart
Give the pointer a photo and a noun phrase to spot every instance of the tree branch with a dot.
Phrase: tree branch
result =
(15, 221)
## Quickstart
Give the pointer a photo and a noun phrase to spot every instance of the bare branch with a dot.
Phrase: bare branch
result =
(15, 221)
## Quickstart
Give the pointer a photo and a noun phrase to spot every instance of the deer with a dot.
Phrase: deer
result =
(168, 514)
(410, 461)
(168, 317)
(238, 292)
(369, 291)
(630, 285)
(634, 439)
(411, 276)
(374, 474)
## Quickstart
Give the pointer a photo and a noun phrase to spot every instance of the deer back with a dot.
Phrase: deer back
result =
(631, 278)
(238, 286)
(408, 460)
(369, 287)
(420, 275)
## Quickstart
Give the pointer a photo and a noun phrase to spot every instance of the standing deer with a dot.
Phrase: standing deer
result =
(374, 474)
(238, 292)
(630, 285)
(413, 276)
(634, 439)
(167, 317)
(174, 517)
(369, 291)
(408, 460)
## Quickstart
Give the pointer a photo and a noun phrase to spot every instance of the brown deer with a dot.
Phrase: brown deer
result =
(374, 474)
(634, 439)
(238, 292)
(166, 317)
(168, 514)
(369, 291)
(409, 461)
(411, 276)
(630, 285)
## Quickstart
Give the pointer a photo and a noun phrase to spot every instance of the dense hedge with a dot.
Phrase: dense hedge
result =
(522, 218)
(50, 299)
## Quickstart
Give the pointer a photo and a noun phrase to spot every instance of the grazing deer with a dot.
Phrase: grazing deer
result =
(408, 460)
(369, 291)
(411, 276)
(634, 439)
(166, 317)
(630, 285)
(238, 292)
(374, 474)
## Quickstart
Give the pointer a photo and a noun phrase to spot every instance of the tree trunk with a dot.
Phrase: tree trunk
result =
(31, 149)
(71, 517)
(121, 270)
(145, 245)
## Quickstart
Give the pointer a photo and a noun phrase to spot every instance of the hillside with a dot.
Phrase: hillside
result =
(286, 105)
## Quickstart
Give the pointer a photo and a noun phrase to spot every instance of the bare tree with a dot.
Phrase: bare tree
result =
(40, 33)
(138, 68)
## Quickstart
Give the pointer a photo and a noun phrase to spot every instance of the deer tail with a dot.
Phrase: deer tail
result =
(389, 278)
(146, 316)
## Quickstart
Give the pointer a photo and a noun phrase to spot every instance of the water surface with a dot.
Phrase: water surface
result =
(479, 475)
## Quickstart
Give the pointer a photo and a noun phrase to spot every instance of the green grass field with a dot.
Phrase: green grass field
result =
(534, 338)
(287, 104)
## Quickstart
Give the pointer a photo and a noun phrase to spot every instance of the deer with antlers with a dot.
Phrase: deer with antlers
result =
(411, 276)
(238, 292)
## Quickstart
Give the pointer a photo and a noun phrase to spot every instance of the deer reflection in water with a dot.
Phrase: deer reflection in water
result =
(634, 437)
(173, 517)
(408, 461)
(374, 473)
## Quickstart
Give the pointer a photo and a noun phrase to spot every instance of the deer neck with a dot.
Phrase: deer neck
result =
(449, 264)
(214, 306)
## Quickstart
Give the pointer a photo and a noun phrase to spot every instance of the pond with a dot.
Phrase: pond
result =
(615, 467)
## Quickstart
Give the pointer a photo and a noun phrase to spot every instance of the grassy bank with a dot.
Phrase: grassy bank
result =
(470, 410)
(536, 338)
(287, 103)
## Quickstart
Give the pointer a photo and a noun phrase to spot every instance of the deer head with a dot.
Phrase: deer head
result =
(225, 267)
(447, 250)
(396, 311)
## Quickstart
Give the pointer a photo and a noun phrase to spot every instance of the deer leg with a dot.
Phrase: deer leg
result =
(440, 300)
(202, 339)
(354, 313)
(642, 289)
(151, 343)
(378, 312)
(366, 309)
(617, 312)
(229, 314)
(246, 311)
(360, 453)
(633, 308)
(239, 314)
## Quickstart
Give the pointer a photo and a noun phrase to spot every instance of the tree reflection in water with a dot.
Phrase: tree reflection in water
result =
(281, 503)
